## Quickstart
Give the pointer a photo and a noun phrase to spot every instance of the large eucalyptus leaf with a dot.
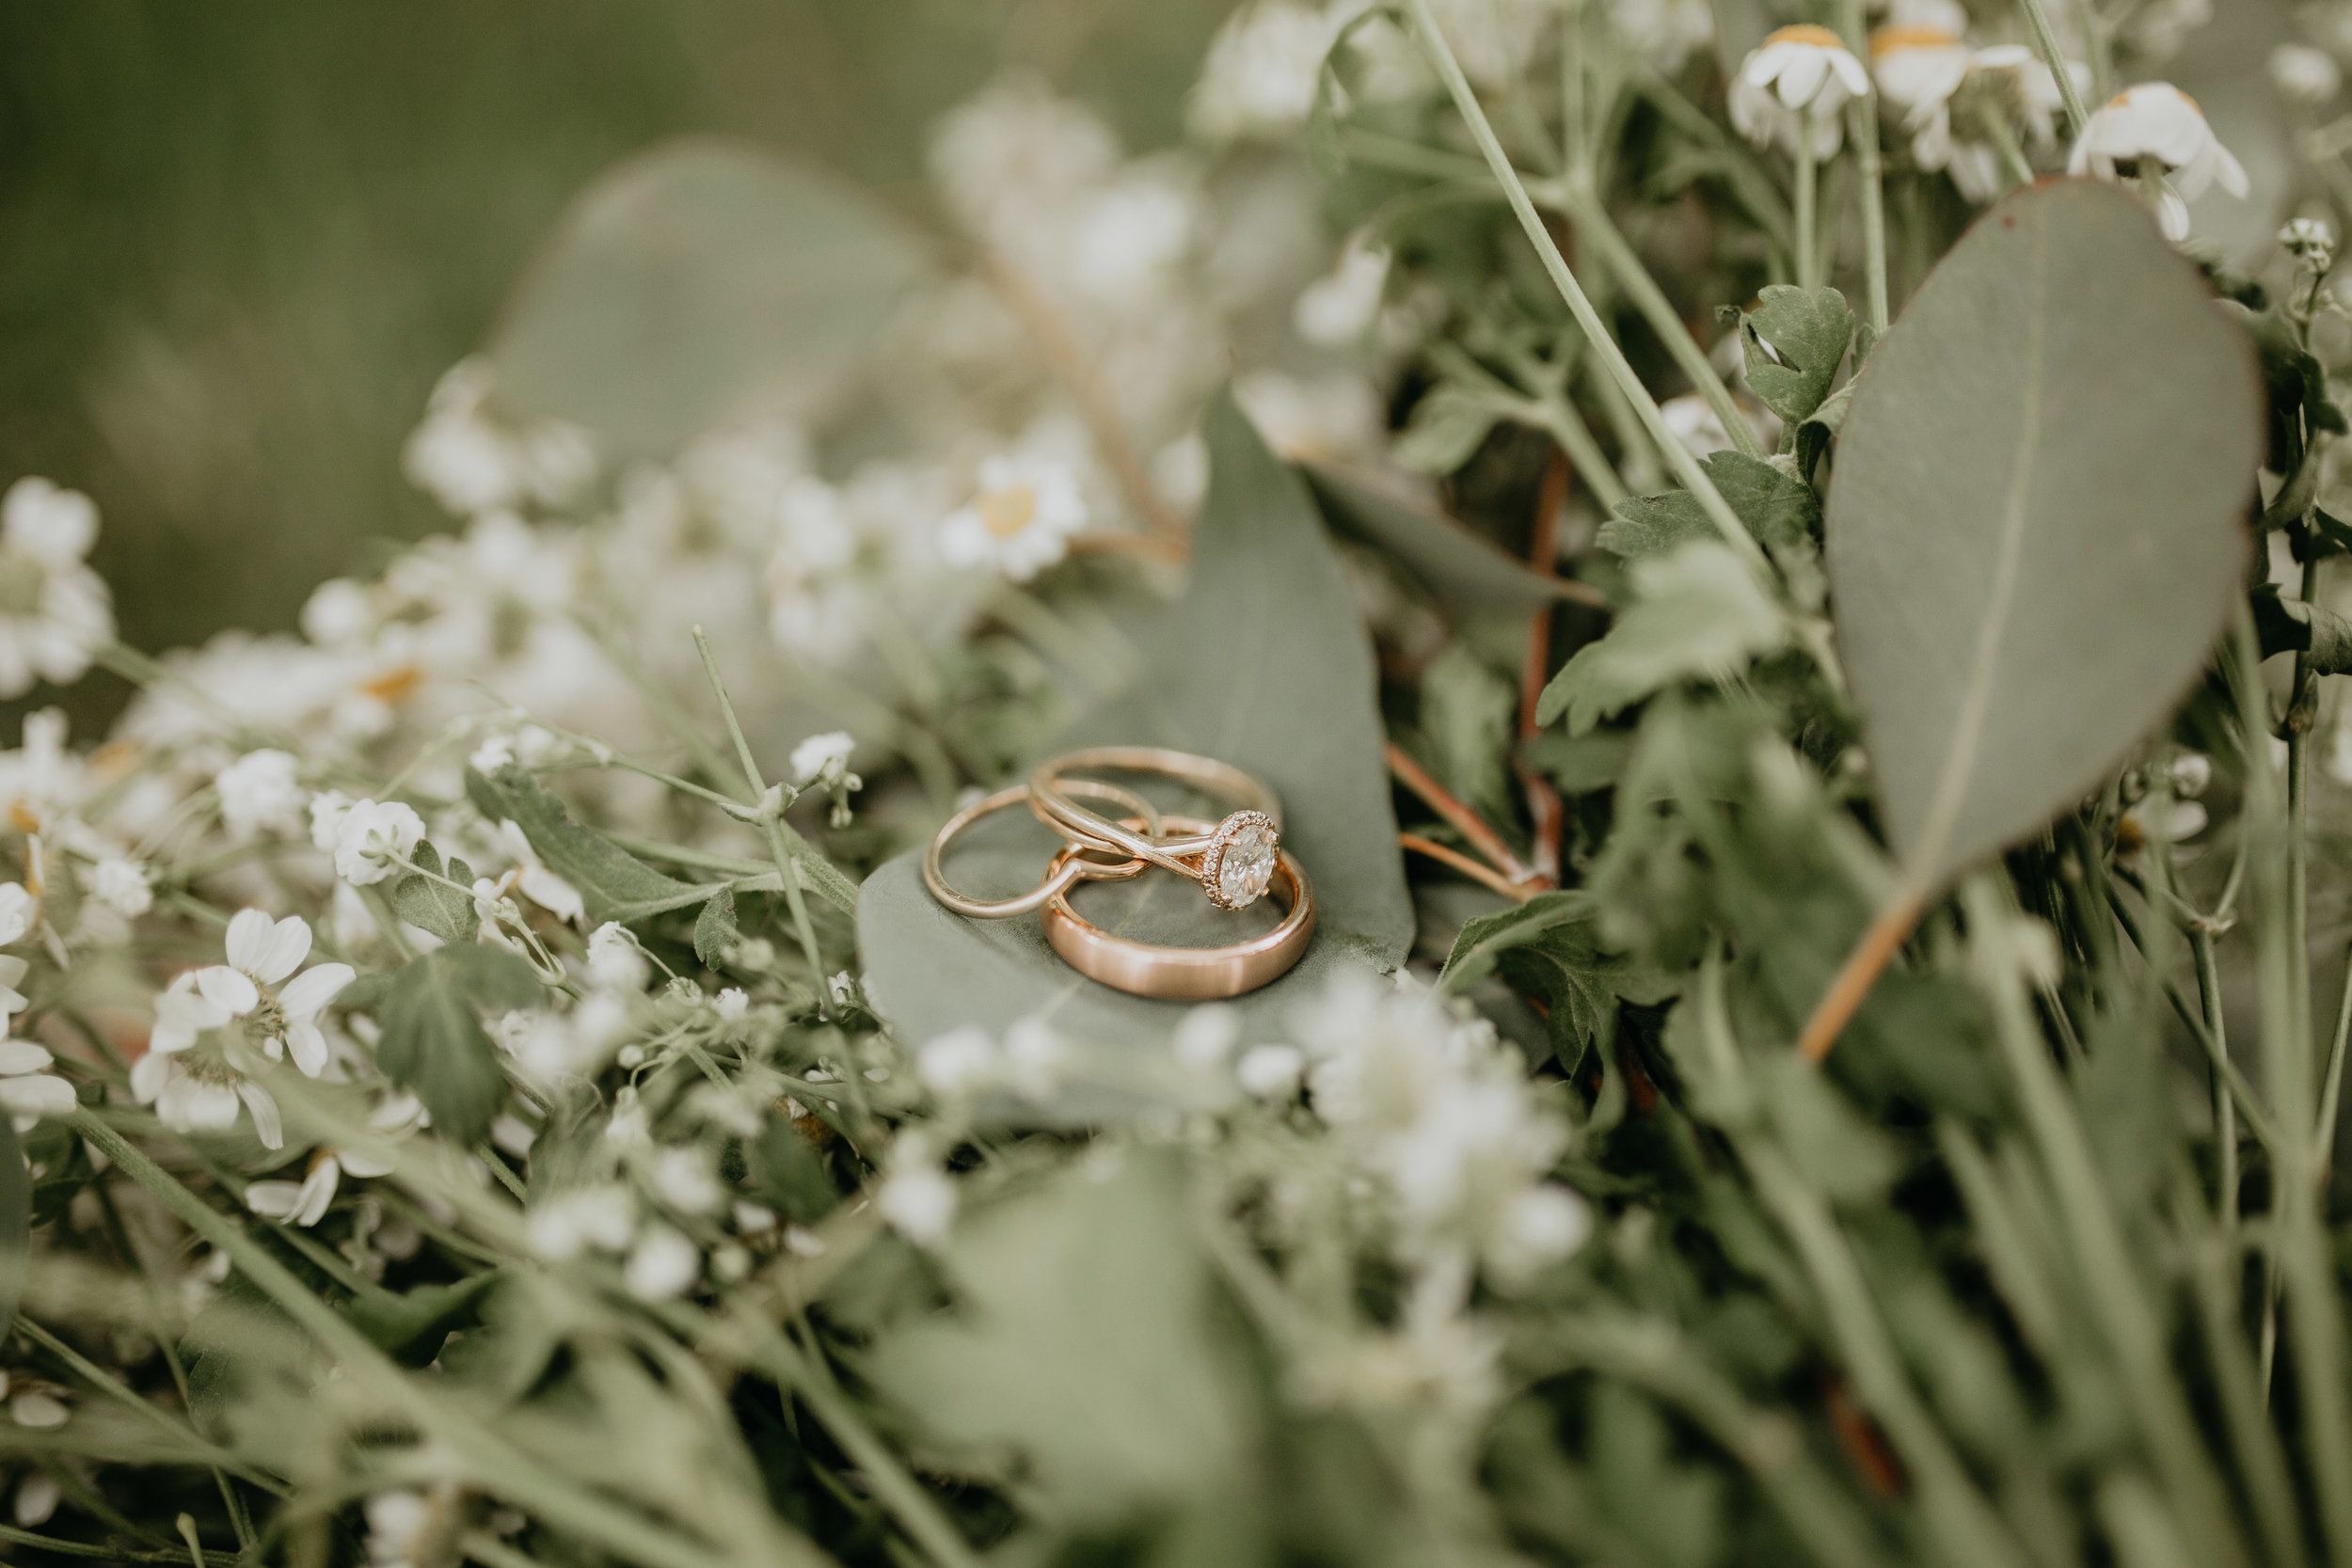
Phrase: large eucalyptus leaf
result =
(691, 280)
(2033, 532)
(1263, 664)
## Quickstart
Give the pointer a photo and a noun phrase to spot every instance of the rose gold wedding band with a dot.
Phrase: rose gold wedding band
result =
(1233, 861)
(1184, 974)
(1067, 868)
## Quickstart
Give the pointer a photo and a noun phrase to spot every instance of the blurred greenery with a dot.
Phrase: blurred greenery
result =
(242, 242)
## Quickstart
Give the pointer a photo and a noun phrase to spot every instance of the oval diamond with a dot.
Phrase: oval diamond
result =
(1245, 869)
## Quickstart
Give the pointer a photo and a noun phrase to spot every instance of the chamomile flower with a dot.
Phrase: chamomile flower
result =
(1799, 77)
(372, 839)
(53, 609)
(258, 795)
(1020, 520)
(304, 1202)
(2157, 122)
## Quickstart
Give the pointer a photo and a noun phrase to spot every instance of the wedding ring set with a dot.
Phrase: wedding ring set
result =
(1237, 860)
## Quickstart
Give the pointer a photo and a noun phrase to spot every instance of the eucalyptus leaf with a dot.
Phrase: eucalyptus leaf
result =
(1445, 431)
(433, 1040)
(1450, 560)
(1794, 342)
(1263, 664)
(1698, 614)
(1085, 1345)
(2033, 532)
(691, 280)
(1779, 509)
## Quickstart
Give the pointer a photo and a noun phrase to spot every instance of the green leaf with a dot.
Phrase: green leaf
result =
(1781, 510)
(1699, 614)
(2023, 582)
(1448, 559)
(1086, 1353)
(612, 883)
(1818, 433)
(791, 1175)
(1263, 664)
(715, 933)
(1794, 342)
(412, 1326)
(1445, 431)
(1550, 947)
(433, 1040)
(1467, 715)
(1579, 764)
(689, 281)
(16, 1221)
(432, 906)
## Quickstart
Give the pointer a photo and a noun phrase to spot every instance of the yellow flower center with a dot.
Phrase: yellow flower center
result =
(1805, 32)
(1887, 41)
(1008, 511)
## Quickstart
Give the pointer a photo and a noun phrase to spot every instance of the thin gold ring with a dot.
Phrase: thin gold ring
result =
(1067, 868)
(1235, 860)
(1183, 973)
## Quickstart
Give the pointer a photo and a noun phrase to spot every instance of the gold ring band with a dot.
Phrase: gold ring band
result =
(1235, 860)
(1183, 973)
(1067, 868)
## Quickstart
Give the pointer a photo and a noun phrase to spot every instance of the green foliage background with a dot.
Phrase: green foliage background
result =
(242, 242)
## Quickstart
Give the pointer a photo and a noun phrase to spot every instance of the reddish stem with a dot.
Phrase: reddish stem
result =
(1543, 801)
(1518, 893)
(1462, 819)
(1859, 973)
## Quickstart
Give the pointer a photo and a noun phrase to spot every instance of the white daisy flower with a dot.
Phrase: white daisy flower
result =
(53, 609)
(1021, 520)
(2156, 120)
(27, 1090)
(281, 1015)
(1797, 74)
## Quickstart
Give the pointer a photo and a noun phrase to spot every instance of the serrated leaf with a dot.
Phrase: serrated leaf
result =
(1780, 510)
(2023, 580)
(715, 934)
(1450, 560)
(1699, 614)
(1550, 947)
(1086, 1348)
(432, 906)
(1794, 342)
(1467, 714)
(433, 1041)
(1263, 664)
(613, 884)
(1815, 434)
(691, 280)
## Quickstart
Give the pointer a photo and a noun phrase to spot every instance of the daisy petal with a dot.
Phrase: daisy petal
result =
(249, 938)
(289, 945)
(227, 989)
(267, 1125)
(314, 989)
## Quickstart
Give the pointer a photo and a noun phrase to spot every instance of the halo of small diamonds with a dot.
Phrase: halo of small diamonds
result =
(1238, 865)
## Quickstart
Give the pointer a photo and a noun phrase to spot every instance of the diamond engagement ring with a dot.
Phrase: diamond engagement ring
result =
(1084, 859)
(1234, 862)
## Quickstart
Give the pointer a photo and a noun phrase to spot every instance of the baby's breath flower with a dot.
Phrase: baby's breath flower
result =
(373, 839)
(125, 886)
(916, 1199)
(55, 612)
(2304, 75)
(1260, 77)
(663, 1265)
(258, 795)
(615, 960)
(1270, 1071)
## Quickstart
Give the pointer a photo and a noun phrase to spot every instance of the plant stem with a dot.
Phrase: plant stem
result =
(1807, 226)
(1860, 972)
(770, 821)
(2224, 1102)
(1862, 126)
(2332, 1086)
(2113, 1286)
(496, 1465)
(2301, 1247)
(2047, 41)
(1735, 534)
(1599, 231)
